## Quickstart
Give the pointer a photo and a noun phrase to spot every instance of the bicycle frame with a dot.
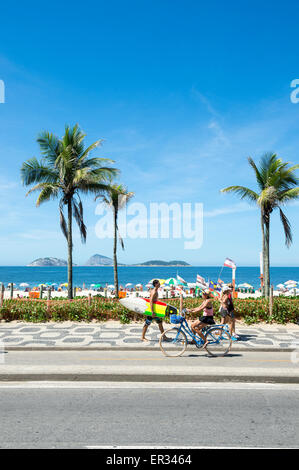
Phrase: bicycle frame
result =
(187, 330)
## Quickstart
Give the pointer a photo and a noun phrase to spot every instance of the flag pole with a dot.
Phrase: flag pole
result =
(234, 281)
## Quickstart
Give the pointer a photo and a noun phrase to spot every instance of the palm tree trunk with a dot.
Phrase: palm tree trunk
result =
(267, 256)
(115, 254)
(263, 251)
(70, 249)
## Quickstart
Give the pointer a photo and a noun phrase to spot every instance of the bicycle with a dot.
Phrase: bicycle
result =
(173, 342)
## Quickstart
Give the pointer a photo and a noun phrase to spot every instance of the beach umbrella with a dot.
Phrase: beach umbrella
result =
(129, 284)
(171, 281)
(162, 281)
(245, 284)
(280, 286)
(24, 284)
(97, 286)
(138, 285)
(11, 283)
(65, 284)
(290, 282)
(111, 286)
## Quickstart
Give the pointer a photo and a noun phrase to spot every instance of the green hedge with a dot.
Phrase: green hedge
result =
(250, 310)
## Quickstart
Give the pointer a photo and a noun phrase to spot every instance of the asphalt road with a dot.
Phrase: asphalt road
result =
(70, 415)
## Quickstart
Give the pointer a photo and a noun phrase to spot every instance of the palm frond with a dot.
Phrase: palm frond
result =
(288, 195)
(260, 180)
(50, 146)
(78, 214)
(63, 224)
(287, 229)
(33, 171)
(243, 192)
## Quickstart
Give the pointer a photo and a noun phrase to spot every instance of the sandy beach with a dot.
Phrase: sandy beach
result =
(145, 294)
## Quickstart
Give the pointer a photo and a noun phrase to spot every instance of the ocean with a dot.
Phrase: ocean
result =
(135, 275)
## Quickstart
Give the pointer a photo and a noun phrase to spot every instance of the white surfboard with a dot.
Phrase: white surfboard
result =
(142, 306)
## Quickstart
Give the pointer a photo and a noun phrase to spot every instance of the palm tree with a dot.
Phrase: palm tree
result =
(115, 198)
(277, 185)
(65, 171)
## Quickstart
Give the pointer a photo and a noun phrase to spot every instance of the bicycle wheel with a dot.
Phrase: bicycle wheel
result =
(173, 342)
(219, 342)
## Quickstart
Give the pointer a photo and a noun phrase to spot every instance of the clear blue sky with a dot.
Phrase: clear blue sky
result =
(181, 91)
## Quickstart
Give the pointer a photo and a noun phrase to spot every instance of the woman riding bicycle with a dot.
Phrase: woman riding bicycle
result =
(206, 319)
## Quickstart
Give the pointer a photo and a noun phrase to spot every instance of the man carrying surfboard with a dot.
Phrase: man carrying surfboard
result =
(149, 319)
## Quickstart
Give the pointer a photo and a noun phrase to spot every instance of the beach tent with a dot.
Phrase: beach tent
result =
(171, 281)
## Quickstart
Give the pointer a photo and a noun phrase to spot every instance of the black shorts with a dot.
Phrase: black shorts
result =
(209, 320)
(224, 312)
(149, 320)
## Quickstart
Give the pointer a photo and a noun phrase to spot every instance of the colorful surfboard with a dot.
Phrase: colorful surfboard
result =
(142, 306)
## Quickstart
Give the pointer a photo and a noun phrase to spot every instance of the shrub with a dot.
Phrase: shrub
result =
(101, 309)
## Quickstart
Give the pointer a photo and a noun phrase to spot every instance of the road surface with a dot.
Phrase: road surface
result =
(97, 414)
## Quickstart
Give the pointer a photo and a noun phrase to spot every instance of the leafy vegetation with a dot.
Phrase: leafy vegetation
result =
(284, 310)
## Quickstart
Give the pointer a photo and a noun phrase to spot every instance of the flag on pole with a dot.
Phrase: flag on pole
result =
(200, 280)
(230, 263)
(212, 285)
(179, 278)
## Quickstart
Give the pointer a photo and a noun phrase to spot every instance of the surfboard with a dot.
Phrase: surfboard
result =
(142, 306)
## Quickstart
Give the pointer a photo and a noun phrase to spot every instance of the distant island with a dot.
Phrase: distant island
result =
(48, 262)
(101, 260)
(163, 263)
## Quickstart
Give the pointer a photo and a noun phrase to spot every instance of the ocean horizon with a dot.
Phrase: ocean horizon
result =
(140, 274)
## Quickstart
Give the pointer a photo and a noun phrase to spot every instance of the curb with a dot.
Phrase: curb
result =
(137, 348)
(147, 378)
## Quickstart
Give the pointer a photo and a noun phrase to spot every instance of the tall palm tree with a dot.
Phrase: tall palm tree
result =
(65, 171)
(115, 198)
(277, 185)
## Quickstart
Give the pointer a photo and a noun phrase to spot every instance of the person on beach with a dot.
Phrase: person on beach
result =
(149, 319)
(208, 316)
(227, 311)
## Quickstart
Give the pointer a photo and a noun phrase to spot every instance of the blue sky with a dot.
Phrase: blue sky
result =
(182, 92)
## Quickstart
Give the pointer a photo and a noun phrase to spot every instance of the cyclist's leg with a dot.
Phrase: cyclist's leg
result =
(196, 327)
